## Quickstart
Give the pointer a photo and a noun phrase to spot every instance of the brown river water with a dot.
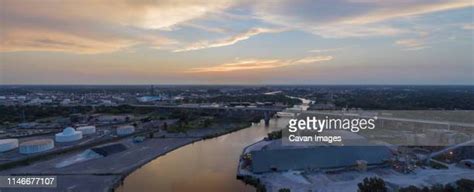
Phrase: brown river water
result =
(208, 165)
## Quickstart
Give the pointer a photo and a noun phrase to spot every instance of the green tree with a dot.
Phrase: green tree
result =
(372, 184)
(465, 185)
(410, 188)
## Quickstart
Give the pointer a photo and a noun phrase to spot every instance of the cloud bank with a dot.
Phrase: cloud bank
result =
(350, 18)
(98, 26)
(228, 41)
(256, 64)
(95, 26)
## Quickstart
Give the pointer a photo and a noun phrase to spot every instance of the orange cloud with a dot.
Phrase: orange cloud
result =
(409, 42)
(312, 59)
(229, 41)
(412, 44)
(255, 64)
(469, 26)
(95, 26)
(47, 40)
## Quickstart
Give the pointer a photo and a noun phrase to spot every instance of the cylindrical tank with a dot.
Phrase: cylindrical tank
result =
(36, 146)
(8, 144)
(68, 135)
(86, 130)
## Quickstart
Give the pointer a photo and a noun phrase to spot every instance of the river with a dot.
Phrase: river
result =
(207, 165)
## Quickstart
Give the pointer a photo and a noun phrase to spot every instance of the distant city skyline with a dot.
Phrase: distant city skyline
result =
(237, 42)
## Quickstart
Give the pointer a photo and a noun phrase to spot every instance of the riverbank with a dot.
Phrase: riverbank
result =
(108, 172)
(192, 138)
(208, 165)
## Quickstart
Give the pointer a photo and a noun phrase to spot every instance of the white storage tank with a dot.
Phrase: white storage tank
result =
(87, 130)
(68, 135)
(8, 144)
(125, 130)
(36, 146)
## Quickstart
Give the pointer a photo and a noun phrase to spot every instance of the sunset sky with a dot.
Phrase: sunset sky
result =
(237, 42)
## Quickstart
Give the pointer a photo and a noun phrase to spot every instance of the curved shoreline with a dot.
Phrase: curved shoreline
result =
(120, 178)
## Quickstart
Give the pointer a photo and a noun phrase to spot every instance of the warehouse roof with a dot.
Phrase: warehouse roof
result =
(318, 157)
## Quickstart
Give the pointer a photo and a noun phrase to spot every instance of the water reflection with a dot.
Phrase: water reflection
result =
(208, 165)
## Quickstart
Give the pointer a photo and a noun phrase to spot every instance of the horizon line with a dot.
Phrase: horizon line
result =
(230, 84)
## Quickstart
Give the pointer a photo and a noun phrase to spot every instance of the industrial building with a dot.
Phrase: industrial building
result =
(444, 137)
(68, 135)
(125, 130)
(36, 146)
(144, 99)
(113, 118)
(87, 130)
(8, 144)
(318, 157)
